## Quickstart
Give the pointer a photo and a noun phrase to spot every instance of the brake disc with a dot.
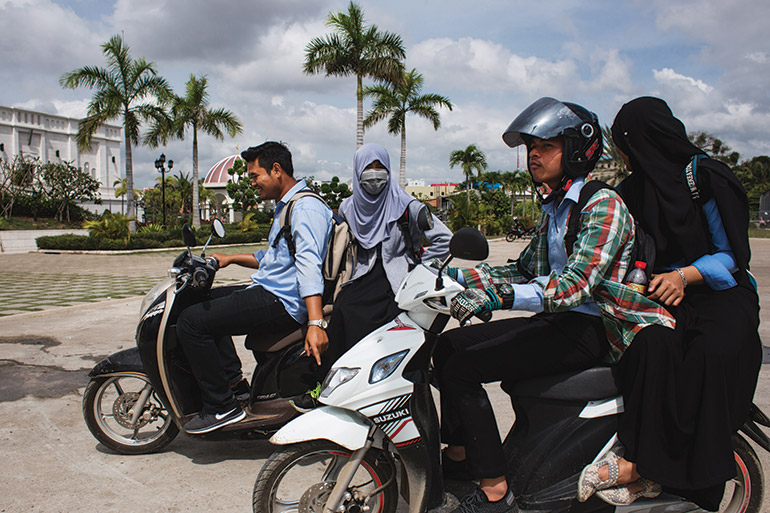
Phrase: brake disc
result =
(314, 499)
(121, 410)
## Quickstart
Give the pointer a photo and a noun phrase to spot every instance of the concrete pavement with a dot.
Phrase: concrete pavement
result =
(51, 461)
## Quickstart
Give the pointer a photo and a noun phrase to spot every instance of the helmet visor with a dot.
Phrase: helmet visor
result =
(544, 119)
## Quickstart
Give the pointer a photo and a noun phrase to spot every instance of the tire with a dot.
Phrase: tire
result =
(107, 402)
(511, 237)
(744, 493)
(299, 477)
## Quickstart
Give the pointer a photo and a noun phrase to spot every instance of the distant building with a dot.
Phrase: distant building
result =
(430, 193)
(53, 138)
(222, 207)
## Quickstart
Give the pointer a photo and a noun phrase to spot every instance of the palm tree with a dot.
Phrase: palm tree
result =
(468, 159)
(394, 100)
(121, 189)
(123, 90)
(612, 158)
(355, 49)
(192, 111)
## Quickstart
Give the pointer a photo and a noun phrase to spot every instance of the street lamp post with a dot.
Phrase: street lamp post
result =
(160, 165)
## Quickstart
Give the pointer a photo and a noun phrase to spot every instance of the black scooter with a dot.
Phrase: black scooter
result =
(138, 399)
(519, 231)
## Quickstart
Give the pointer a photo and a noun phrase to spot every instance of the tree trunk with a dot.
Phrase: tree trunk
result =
(196, 215)
(402, 173)
(131, 202)
(359, 112)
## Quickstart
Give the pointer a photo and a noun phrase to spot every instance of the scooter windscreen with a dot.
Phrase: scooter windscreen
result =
(543, 119)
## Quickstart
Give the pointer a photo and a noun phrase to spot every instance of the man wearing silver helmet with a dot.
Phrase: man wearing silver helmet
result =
(583, 312)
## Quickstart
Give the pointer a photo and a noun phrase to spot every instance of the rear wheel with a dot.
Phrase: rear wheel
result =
(744, 493)
(511, 237)
(108, 406)
(300, 477)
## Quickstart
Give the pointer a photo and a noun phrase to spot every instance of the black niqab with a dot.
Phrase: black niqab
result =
(657, 194)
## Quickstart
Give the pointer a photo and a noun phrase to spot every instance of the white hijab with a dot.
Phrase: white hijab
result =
(371, 218)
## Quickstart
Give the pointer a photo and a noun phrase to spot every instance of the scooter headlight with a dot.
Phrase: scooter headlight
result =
(384, 367)
(335, 378)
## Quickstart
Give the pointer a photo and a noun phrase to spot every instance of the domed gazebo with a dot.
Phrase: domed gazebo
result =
(216, 181)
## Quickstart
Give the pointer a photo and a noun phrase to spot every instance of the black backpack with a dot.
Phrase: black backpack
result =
(644, 244)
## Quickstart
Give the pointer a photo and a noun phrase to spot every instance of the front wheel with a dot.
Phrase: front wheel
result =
(744, 493)
(300, 477)
(512, 236)
(108, 406)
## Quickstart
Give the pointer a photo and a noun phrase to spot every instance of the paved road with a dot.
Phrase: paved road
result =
(51, 462)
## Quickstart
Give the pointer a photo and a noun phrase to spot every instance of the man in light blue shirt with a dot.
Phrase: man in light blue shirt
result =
(284, 294)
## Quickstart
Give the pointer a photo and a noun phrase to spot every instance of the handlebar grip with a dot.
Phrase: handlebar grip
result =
(213, 262)
(485, 315)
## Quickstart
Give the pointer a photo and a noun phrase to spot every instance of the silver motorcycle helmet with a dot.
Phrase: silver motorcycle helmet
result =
(548, 118)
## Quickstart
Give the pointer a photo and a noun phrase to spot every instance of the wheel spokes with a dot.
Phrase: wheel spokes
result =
(334, 467)
(286, 506)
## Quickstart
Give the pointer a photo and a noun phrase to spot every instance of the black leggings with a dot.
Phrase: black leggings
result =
(510, 350)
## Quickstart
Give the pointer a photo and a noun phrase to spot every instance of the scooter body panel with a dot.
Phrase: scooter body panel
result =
(338, 425)
(358, 394)
(127, 360)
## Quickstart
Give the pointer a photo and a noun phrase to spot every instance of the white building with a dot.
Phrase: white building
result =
(53, 138)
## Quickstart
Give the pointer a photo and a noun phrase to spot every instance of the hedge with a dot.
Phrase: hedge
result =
(141, 241)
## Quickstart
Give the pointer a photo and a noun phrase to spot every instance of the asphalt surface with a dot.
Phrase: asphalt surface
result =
(77, 309)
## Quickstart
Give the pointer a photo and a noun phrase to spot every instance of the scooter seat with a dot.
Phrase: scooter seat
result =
(587, 385)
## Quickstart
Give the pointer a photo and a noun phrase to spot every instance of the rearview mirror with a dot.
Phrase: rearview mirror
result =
(469, 244)
(188, 236)
(217, 228)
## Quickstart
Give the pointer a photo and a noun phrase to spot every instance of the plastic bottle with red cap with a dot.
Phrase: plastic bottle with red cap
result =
(637, 278)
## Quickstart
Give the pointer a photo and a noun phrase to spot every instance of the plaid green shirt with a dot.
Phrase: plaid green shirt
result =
(594, 270)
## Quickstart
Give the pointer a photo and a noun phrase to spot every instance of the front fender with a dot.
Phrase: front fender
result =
(128, 360)
(343, 427)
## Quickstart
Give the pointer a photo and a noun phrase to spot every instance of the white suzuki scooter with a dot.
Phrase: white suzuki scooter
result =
(378, 431)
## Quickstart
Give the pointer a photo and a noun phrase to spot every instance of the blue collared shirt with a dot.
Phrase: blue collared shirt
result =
(529, 296)
(293, 279)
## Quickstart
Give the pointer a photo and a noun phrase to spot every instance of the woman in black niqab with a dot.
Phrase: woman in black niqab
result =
(687, 391)
(658, 150)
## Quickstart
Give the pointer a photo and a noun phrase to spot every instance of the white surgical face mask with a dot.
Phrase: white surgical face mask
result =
(374, 180)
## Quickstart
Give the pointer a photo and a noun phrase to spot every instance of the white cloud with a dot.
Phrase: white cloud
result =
(758, 57)
(480, 65)
(671, 77)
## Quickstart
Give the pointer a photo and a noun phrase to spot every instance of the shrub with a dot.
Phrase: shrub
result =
(110, 226)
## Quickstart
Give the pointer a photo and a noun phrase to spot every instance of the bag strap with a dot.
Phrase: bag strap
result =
(285, 219)
(691, 178)
(403, 222)
(589, 189)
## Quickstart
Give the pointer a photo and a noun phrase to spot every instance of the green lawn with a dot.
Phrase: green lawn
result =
(27, 223)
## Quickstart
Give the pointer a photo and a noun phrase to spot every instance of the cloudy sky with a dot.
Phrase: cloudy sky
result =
(709, 59)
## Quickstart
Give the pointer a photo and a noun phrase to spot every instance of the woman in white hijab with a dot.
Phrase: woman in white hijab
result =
(388, 225)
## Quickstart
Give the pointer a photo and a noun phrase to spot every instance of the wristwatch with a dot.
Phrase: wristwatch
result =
(321, 323)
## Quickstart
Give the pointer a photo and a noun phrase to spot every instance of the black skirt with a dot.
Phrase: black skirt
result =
(361, 307)
(687, 391)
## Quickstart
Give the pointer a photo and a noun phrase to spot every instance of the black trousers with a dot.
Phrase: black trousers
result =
(205, 330)
(510, 350)
(687, 391)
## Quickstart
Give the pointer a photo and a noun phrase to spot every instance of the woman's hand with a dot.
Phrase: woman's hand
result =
(667, 288)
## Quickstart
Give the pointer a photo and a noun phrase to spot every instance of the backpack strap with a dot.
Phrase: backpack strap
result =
(573, 225)
(285, 219)
(403, 223)
(690, 175)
